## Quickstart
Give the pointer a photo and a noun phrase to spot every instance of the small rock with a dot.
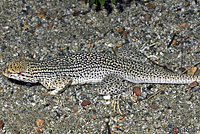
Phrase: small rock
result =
(1, 124)
(184, 25)
(150, 5)
(187, 3)
(133, 27)
(16, 132)
(94, 117)
(40, 122)
(50, 25)
(85, 103)
(40, 15)
(193, 84)
(133, 40)
(39, 130)
(192, 70)
(75, 110)
(122, 117)
(118, 126)
(118, 45)
(106, 120)
(26, 26)
(173, 42)
(136, 90)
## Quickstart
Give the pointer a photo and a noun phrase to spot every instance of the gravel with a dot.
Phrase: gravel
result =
(36, 30)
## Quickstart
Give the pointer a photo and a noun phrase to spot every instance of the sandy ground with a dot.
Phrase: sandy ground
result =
(166, 31)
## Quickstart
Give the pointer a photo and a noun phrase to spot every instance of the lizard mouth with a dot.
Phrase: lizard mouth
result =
(5, 72)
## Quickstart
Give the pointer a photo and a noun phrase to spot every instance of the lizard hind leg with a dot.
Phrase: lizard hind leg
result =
(114, 85)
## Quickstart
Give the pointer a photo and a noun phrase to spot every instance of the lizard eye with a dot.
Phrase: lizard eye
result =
(18, 72)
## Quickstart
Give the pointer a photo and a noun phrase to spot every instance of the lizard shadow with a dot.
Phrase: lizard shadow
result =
(28, 84)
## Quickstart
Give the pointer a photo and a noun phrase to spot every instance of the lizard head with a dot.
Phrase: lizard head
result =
(18, 70)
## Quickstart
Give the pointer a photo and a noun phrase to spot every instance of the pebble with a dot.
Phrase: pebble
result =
(136, 90)
(85, 103)
(40, 122)
(16, 132)
(94, 117)
(1, 124)
(39, 130)
(193, 84)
